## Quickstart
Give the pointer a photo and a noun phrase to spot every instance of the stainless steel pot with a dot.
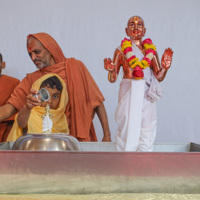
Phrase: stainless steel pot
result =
(47, 142)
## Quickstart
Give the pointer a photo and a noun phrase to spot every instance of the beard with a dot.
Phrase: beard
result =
(40, 64)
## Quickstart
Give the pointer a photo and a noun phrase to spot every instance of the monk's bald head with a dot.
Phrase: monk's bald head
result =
(2, 63)
(1, 58)
(136, 19)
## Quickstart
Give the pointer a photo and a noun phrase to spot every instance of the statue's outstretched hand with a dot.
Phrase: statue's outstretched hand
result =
(167, 58)
(108, 65)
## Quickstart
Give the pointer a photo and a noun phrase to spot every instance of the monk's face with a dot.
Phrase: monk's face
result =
(54, 100)
(135, 28)
(2, 66)
(39, 54)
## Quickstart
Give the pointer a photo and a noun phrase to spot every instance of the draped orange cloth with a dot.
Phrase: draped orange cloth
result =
(84, 94)
(7, 85)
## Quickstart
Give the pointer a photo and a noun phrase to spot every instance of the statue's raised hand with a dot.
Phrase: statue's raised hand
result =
(167, 58)
(108, 65)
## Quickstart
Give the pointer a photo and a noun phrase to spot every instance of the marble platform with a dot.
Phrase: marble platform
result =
(111, 146)
(171, 168)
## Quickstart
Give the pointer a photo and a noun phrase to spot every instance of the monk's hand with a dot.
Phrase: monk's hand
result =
(167, 58)
(32, 100)
(108, 65)
(106, 138)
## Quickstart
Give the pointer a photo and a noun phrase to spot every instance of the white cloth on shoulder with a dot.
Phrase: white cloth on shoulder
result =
(155, 90)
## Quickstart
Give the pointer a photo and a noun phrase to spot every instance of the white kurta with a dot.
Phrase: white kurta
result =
(136, 111)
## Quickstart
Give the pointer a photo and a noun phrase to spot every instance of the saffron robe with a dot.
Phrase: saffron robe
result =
(35, 121)
(7, 86)
(84, 94)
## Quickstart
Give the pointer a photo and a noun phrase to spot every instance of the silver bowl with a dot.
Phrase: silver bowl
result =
(47, 142)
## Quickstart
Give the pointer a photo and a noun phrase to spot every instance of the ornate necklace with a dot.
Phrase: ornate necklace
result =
(138, 66)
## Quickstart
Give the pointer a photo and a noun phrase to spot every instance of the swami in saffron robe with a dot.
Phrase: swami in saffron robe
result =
(7, 86)
(84, 94)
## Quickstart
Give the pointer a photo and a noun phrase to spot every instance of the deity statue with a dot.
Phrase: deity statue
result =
(140, 88)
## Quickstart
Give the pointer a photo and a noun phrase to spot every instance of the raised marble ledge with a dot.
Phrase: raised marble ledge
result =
(111, 146)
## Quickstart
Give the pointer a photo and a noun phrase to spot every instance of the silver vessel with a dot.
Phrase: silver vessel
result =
(47, 142)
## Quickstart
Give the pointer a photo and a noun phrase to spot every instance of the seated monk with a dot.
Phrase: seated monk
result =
(7, 86)
(85, 98)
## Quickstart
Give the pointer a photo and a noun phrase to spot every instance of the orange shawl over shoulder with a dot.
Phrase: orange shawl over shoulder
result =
(84, 94)
(7, 85)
